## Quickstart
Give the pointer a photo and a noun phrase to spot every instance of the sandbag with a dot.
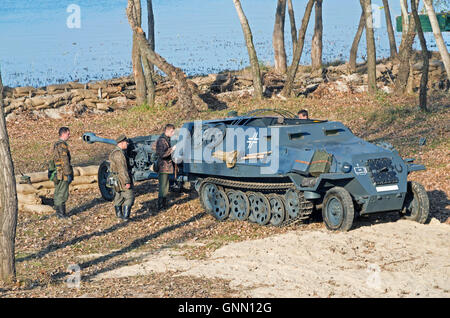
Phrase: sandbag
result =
(25, 188)
(44, 185)
(36, 208)
(84, 180)
(31, 198)
(35, 177)
(87, 171)
(84, 186)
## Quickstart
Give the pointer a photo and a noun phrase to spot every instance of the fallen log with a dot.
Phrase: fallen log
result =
(36, 208)
(32, 198)
(25, 188)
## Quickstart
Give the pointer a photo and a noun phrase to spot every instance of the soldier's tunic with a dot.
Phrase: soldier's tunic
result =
(163, 150)
(118, 166)
(62, 158)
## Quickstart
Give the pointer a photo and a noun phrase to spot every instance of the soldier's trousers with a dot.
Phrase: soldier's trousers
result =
(61, 193)
(163, 180)
(124, 198)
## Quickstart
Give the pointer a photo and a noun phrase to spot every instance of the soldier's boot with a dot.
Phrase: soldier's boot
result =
(126, 212)
(61, 211)
(58, 211)
(160, 205)
(118, 209)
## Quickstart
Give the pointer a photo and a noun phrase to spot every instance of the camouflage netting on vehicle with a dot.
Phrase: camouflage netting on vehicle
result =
(320, 163)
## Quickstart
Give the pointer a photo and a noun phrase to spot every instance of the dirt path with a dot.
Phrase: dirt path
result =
(398, 259)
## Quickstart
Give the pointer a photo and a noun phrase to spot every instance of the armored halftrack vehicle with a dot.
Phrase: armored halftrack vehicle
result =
(274, 169)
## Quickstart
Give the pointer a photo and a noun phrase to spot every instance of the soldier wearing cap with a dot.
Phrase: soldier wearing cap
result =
(164, 150)
(124, 197)
(64, 171)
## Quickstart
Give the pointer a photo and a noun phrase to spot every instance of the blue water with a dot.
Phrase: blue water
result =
(199, 36)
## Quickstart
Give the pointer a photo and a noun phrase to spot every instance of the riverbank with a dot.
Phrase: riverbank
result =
(74, 98)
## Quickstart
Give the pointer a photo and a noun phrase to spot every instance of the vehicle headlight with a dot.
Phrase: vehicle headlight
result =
(346, 167)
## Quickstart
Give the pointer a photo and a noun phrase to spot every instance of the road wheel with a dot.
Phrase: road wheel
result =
(220, 205)
(337, 210)
(417, 205)
(239, 205)
(207, 194)
(278, 211)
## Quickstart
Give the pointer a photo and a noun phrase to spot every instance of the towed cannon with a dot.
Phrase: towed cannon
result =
(274, 169)
(140, 156)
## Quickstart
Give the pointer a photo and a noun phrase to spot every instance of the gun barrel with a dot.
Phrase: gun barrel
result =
(90, 138)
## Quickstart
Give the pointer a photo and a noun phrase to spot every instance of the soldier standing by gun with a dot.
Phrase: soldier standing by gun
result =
(165, 164)
(64, 172)
(124, 197)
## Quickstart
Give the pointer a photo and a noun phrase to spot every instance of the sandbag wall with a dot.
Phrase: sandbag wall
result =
(102, 96)
(29, 195)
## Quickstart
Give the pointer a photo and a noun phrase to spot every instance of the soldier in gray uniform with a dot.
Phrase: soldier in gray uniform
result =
(64, 172)
(123, 185)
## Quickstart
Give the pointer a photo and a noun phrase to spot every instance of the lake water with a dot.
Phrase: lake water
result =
(39, 46)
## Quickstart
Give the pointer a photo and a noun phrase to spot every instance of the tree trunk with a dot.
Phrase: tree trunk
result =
(370, 41)
(390, 29)
(148, 73)
(278, 38)
(355, 44)
(256, 74)
(184, 92)
(293, 27)
(404, 54)
(8, 202)
(138, 70)
(148, 67)
(423, 44)
(287, 90)
(316, 45)
(405, 23)
(438, 36)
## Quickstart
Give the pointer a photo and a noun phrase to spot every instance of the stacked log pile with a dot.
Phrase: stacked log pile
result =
(74, 98)
(36, 186)
(339, 79)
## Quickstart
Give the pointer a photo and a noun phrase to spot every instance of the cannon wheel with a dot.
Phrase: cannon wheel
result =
(338, 211)
(417, 205)
(103, 173)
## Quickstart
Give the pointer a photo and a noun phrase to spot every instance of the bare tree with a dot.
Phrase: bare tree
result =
(287, 90)
(423, 44)
(390, 29)
(278, 38)
(370, 41)
(316, 45)
(355, 44)
(138, 70)
(405, 50)
(438, 36)
(256, 74)
(185, 98)
(149, 67)
(8, 202)
(292, 23)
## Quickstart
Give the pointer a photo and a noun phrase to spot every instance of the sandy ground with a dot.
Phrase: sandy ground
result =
(394, 259)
